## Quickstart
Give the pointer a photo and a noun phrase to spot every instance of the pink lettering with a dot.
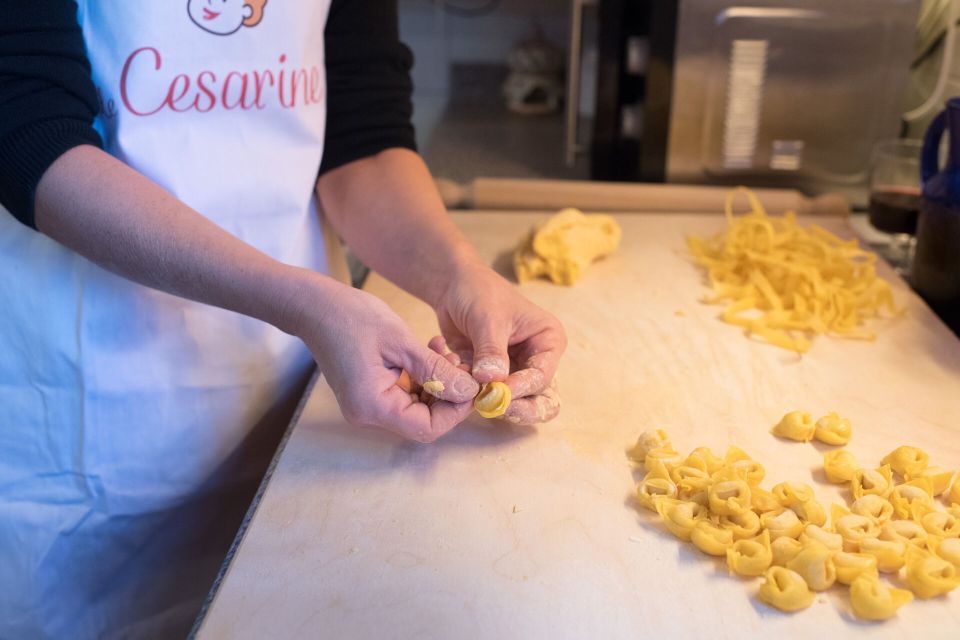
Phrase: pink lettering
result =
(123, 80)
(206, 91)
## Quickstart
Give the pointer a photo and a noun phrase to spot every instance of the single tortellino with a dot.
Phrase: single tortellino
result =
(908, 531)
(904, 495)
(742, 525)
(785, 590)
(750, 557)
(683, 472)
(872, 600)
(906, 460)
(711, 539)
(695, 490)
(946, 548)
(938, 476)
(711, 461)
(665, 455)
(729, 497)
(852, 527)
(815, 533)
(850, 566)
(873, 506)
(750, 471)
(890, 554)
(763, 501)
(784, 550)
(832, 429)
(839, 466)
(810, 512)
(679, 516)
(929, 575)
(796, 425)
(786, 523)
(789, 493)
(878, 482)
(815, 565)
(938, 523)
(493, 399)
(647, 442)
(656, 483)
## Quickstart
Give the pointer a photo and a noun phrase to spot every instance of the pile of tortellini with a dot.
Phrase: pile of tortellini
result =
(891, 527)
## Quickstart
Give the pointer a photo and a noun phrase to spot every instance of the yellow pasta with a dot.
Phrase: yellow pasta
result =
(786, 523)
(784, 283)
(815, 533)
(750, 557)
(711, 461)
(785, 590)
(872, 600)
(647, 442)
(938, 523)
(905, 495)
(907, 531)
(873, 506)
(655, 484)
(711, 539)
(832, 429)
(815, 565)
(953, 494)
(694, 490)
(929, 575)
(680, 517)
(493, 400)
(839, 466)
(664, 455)
(890, 554)
(938, 476)
(729, 497)
(850, 566)
(796, 425)
(683, 472)
(784, 549)
(906, 460)
(872, 482)
(742, 525)
(946, 548)
(790, 493)
(854, 529)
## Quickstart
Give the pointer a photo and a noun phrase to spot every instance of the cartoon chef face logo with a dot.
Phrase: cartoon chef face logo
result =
(223, 17)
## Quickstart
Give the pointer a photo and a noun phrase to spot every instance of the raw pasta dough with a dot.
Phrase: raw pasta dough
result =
(564, 246)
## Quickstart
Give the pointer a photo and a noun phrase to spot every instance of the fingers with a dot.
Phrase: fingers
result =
(535, 409)
(397, 412)
(437, 375)
(490, 358)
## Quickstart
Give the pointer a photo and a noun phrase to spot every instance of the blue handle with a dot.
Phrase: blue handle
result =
(930, 156)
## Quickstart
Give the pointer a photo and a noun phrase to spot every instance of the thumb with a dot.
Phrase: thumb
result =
(490, 359)
(438, 376)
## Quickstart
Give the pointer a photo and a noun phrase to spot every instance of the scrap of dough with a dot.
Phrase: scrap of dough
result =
(563, 246)
(493, 400)
(433, 387)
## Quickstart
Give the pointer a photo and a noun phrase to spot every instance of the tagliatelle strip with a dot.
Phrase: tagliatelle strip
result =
(890, 527)
(785, 283)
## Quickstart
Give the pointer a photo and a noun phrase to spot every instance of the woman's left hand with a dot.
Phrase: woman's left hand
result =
(503, 336)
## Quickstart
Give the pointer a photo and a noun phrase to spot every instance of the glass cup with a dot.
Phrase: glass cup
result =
(895, 197)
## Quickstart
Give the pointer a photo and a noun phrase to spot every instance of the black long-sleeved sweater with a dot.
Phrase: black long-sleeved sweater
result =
(48, 101)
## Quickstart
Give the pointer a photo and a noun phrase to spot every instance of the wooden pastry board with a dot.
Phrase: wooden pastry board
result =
(499, 532)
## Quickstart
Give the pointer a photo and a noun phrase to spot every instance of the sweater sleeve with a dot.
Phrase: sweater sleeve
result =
(368, 82)
(47, 98)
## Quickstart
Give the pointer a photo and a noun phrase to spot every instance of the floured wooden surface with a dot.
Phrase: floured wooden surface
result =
(498, 532)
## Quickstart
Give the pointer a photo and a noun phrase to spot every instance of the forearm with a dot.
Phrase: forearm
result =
(388, 210)
(119, 219)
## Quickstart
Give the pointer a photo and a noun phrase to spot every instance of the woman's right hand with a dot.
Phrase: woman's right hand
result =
(361, 346)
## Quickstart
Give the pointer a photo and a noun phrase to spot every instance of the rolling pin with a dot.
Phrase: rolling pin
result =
(522, 193)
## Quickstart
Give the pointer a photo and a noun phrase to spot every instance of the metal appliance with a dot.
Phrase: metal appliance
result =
(769, 92)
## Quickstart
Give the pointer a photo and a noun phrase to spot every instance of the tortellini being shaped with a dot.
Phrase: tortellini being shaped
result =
(816, 533)
(872, 600)
(929, 575)
(906, 460)
(786, 523)
(796, 425)
(832, 429)
(679, 516)
(647, 442)
(785, 589)
(750, 557)
(711, 539)
(890, 554)
(784, 550)
(839, 466)
(815, 565)
(877, 482)
(850, 566)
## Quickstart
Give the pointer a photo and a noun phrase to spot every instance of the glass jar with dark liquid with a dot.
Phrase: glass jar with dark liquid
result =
(895, 198)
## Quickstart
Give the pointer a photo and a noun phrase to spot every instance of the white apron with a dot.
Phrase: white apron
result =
(127, 416)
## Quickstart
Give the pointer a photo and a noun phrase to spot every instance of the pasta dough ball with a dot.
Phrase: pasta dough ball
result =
(563, 246)
(872, 600)
(832, 429)
(796, 425)
(815, 565)
(850, 566)
(785, 590)
(839, 466)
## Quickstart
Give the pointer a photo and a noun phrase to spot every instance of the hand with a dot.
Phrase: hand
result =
(494, 329)
(361, 346)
